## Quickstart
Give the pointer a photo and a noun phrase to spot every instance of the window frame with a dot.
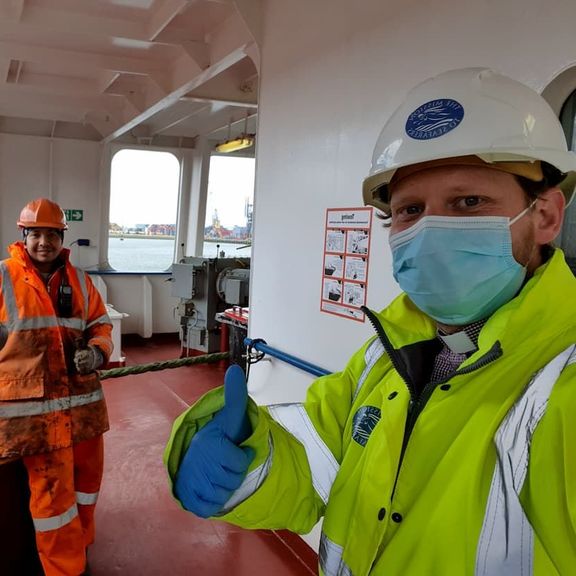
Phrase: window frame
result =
(567, 118)
(246, 153)
(112, 150)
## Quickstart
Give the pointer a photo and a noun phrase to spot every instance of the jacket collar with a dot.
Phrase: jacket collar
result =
(534, 317)
(541, 315)
(17, 250)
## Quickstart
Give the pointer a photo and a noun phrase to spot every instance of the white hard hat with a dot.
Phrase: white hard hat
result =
(468, 112)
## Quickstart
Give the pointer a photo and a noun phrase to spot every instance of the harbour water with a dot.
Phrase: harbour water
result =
(157, 254)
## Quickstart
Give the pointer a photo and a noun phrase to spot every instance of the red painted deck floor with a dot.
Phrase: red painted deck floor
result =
(140, 529)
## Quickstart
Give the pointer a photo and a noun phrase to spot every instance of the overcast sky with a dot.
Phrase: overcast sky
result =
(144, 188)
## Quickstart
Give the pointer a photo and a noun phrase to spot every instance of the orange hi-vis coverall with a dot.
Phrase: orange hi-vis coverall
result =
(50, 415)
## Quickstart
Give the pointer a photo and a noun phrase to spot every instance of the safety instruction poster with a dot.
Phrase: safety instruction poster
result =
(346, 256)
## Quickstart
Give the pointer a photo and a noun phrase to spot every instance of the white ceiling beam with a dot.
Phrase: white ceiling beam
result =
(66, 22)
(19, 66)
(74, 99)
(177, 115)
(106, 79)
(198, 51)
(233, 103)
(208, 124)
(81, 61)
(237, 123)
(251, 12)
(165, 127)
(21, 110)
(190, 84)
(237, 84)
(17, 9)
(167, 11)
(78, 90)
(4, 69)
(11, 9)
(65, 85)
(230, 34)
(225, 40)
(225, 92)
(100, 126)
(130, 110)
(137, 101)
(178, 33)
(54, 108)
(162, 81)
(254, 54)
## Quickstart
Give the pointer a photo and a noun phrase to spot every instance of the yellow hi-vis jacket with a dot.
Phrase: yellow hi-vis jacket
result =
(475, 476)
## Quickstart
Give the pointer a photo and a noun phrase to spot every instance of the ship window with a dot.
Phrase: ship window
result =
(567, 239)
(144, 187)
(228, 227)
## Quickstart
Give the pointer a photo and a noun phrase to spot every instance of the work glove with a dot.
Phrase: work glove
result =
(88, 359)
(214, 465)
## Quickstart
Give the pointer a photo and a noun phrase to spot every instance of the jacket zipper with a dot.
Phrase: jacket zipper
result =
(397, 362)
(418, 402)
(493, 354)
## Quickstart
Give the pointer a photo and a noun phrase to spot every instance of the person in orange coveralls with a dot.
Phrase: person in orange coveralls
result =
(52, 410)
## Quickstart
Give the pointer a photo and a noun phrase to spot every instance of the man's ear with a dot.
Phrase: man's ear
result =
(548, 215)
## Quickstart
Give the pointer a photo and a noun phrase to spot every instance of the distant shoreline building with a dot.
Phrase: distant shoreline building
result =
(213, 232)
(218, 232)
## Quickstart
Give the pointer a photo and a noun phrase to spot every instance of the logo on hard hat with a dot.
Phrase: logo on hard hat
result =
(434, 119)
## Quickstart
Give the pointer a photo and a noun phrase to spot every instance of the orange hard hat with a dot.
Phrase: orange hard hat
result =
(42, 213)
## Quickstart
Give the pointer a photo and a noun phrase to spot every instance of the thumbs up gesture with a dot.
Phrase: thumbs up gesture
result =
(214, 465)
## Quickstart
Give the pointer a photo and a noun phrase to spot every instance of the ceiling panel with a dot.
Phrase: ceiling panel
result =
(168, 67)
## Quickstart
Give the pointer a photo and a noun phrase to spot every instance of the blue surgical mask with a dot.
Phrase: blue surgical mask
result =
(458, 270)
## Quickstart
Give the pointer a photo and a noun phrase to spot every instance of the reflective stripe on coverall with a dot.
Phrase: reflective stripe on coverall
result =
(64, 486)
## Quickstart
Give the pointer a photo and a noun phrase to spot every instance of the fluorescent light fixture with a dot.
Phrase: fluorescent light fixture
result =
(244, 141)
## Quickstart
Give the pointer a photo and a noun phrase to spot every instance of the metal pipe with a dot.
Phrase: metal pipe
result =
(261, 346)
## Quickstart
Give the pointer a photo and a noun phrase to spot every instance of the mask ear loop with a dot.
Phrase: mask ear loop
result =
(523, 213)
(516, 218)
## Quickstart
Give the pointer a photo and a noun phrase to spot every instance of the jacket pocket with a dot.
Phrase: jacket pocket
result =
(21, 388)
(23, 366)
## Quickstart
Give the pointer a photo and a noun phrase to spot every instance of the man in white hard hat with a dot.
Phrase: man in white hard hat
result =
(445, 447)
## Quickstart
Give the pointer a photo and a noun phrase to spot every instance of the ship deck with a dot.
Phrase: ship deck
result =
(141, 529)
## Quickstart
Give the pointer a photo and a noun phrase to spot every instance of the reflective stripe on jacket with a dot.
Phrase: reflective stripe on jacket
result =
(44, 403)
(404, 482)
(506, 545)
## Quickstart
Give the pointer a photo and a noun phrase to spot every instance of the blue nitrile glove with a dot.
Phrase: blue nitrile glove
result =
(214, 466)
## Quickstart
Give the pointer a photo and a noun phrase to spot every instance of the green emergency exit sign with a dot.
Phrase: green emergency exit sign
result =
(74, 215)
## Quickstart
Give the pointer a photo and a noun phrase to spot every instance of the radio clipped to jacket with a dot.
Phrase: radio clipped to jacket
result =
(65, 301)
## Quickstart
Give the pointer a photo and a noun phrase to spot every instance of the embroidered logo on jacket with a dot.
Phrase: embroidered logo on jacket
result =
(365, 421)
